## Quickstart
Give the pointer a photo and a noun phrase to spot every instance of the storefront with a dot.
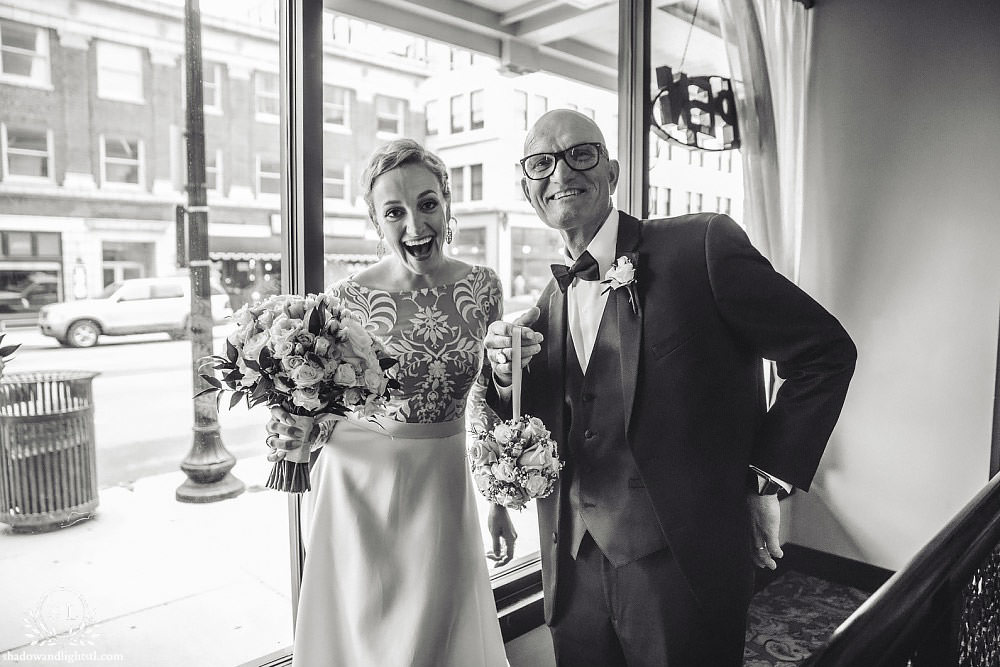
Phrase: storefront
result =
(31, 273)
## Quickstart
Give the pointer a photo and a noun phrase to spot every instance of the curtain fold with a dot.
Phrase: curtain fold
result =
(768, 44)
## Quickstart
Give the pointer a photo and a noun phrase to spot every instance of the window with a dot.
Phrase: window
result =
(476, 182)
(698, 202)
(520, 111)
(211, 76)
(267, 102)
(24, 54)
(334, 181)
(121, 161)
(27, 153)
(119, 72)
(336, 107)
(268, 175)
(458, 114)
(588, 112)
(166, 290)
(541, 106)
(213, 171)
(457, 184)
(477, 115)
(431, 118)
(389, 114)
(727, 206)
(688, 197)
(665, 196)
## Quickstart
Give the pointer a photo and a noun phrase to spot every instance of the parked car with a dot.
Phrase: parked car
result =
(40, 289)
(138, 305)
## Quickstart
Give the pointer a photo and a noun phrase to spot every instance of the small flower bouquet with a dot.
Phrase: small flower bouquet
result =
(309, 355)
(515, 462)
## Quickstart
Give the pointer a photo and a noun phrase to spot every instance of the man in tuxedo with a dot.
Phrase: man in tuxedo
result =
(652, 386)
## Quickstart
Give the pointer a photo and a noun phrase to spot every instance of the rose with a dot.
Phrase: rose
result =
(250, 376)
(503, 434)
(296, 309)
(254, 344)
(304, 338)
(321, 346)
(284, 328)
(266, 319)
(621, 272)
(535, 429)
(353, 396)
(307, 397)
(504, 471)
(534, 458)
(345, 375)
(483, 480)
(282, 348)
(292, 361)
(536, 485)
(375, 381)
(307, 375)
(482, 454)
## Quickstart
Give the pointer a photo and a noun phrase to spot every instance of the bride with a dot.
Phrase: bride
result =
(394, 571)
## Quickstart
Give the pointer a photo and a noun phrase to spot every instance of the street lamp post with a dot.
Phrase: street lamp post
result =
(208, 463)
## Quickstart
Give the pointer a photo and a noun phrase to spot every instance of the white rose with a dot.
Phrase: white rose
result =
(307, 375)
(503, 434)
(254, 344)
(292, 361)
(250, 376)
(283, 348)
(321, 346)
(307, 397)
(536, 485)
(535, 458)
(504, 471)
(345, 375)
(622, 272)
(482, 454)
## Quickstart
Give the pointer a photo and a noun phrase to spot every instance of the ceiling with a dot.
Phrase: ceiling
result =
(573, 38)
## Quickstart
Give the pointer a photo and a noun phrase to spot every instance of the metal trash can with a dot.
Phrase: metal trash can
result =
(48, 460)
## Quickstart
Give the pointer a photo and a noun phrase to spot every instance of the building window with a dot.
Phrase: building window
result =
(457, 184)
(726, 206)
(431, 118)
(121, 161)
(588, 112)
(336, 107)
(213, 171)
(698, 202)
(211, 77)
(389, 114)
(267, 102)
(458, 114)
(268, 175)
(477, 115)
(24, 54)
(688, 197)
(520, 111)
(335, 182)
(665, 196)
(119, 72)
(541, 104)
(476, 182)
(27, 153)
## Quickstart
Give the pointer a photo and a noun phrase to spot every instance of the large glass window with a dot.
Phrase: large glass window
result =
(389, 112)
(336, 107)
(268, 175)
(119, 72)
(27, 152)
(267, 101)
(24, 54)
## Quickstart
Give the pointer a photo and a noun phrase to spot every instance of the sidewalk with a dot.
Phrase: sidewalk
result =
(152, 582)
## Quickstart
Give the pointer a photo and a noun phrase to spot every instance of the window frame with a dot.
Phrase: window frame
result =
(400, 118)
(344, 127)
(344, 182)
(110, 62)
(215, 105)
(260, 94)
(477, 111)
(140, 161)
(456, 114)
(259, 193)
(5, 151)
(43, 50)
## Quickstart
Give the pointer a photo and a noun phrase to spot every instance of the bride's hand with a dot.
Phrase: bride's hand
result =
(501, 528)
(284, 435)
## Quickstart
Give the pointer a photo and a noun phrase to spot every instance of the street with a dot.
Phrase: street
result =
(143, 411)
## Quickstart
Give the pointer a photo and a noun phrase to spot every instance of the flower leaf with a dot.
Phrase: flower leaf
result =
(205, 391)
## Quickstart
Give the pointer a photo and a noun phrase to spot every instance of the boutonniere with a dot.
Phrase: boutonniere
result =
(622, 274)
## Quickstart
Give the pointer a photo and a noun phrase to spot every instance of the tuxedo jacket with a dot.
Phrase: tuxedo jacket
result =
(708, 309)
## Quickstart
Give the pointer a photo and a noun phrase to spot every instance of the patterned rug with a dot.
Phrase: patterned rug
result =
(794, 615)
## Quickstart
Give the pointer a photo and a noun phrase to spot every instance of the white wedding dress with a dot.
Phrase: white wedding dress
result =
(395, 573)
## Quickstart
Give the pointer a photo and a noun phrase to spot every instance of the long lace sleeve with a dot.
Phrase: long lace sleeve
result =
(479, 415)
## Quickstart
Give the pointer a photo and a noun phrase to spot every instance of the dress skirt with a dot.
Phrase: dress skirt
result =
(395, 574)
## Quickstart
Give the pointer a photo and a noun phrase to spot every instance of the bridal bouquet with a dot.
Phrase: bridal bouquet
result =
(514, 462)
(309, 355)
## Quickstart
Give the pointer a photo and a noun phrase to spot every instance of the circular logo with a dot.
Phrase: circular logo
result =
(61, 613)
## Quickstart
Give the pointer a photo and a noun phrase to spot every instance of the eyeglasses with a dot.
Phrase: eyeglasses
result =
(581, 157)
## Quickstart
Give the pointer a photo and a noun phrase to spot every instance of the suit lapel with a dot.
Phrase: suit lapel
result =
(629, 320)
(555, 341)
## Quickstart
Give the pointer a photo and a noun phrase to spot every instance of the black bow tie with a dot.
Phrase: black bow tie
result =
(584, 268)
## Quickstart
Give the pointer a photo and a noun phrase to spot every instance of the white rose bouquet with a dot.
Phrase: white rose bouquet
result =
(311, 356)
(515, 462)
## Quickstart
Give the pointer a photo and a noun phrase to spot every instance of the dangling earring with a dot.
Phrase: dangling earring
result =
(380, 248)
(450, 236)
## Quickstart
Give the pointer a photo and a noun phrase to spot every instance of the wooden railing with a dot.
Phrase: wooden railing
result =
(941, 610)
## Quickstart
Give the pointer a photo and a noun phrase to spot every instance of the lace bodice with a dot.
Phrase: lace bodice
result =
(436, 333)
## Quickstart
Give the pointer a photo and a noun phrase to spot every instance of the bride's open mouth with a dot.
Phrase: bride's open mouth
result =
(419, 248)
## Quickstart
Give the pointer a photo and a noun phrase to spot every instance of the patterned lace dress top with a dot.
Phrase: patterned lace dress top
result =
(436, 333)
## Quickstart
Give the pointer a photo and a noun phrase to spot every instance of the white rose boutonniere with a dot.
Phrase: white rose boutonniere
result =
(622, 274)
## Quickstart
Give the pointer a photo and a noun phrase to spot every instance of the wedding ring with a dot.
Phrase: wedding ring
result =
(501, 358)
(269, 440)
(761, 548)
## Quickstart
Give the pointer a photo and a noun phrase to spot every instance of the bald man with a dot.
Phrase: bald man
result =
(652, 385)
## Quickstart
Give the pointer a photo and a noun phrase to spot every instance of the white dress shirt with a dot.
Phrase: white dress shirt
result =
(586, 299)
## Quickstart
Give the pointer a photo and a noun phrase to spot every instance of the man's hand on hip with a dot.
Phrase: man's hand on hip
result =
(498, 344)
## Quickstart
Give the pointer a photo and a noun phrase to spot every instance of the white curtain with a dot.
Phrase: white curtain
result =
(768, 44)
